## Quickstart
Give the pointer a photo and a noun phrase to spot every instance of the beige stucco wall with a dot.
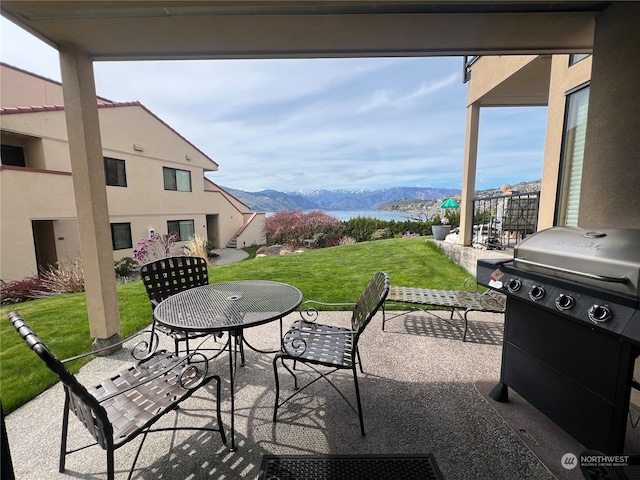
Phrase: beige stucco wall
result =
(25, 196)
(488, 75)
(610, 196)
(610, 192)
(23, 89)
(233, 214)
(489, 72)
(123, 126)
(20, 90)
(563, 79)
(43, 135)
(229, 216)
(253, 233)
(44, 190)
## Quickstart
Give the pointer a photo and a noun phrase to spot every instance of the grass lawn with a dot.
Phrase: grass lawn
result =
(337, 274)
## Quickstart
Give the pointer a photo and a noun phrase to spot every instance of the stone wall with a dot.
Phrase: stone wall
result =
(467, 257)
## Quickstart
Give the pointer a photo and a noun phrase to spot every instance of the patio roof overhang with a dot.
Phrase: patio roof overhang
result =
(144, 30)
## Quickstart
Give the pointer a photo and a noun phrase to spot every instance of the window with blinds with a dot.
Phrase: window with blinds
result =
(183, 228)
(573, 154)
(121, 236)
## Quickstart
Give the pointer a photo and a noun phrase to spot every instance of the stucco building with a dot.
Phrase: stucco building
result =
(560, 82)
(155, 181)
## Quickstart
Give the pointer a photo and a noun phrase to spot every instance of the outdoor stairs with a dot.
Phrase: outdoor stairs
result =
(233, 242)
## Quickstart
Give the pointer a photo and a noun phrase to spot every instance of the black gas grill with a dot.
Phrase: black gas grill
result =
(572, 328)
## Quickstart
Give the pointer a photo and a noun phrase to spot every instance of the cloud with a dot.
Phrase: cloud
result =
(386, 98)
(297, 124)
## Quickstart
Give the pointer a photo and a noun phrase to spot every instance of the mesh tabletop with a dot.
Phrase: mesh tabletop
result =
(229, 305)
(350, 467)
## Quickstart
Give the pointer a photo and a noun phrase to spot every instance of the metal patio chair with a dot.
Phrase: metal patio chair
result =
(319, 345)
(129, 403)
(168, 276)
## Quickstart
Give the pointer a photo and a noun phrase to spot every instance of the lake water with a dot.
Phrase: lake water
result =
(344, 215)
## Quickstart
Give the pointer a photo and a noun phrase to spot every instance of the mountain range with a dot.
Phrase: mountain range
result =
(273, 200)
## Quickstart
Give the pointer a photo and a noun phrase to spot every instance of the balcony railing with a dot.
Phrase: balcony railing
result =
(502, 221)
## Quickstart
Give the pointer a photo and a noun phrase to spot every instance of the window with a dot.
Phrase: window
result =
(575, 130)
(115, 172)
(576, 57)
(184, 228)
(175, 179)
(121, 236)
(13, 156)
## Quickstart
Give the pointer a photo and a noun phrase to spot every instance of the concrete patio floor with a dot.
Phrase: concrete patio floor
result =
(418, 397)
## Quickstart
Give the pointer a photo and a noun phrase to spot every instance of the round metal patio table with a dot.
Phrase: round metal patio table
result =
(229, 307)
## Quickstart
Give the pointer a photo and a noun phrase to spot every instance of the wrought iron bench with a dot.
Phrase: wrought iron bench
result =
(460, 302)
(129, 403)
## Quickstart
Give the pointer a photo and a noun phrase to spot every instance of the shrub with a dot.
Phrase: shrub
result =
(67, 277)
(295, 226)
(125, 266)
(196, 246)
(18, 291)
(381, 234)
(155, 247)
(363, 228)
(346, 240)
(409, 235)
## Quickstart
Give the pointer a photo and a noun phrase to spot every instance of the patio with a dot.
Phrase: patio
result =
(419, 396)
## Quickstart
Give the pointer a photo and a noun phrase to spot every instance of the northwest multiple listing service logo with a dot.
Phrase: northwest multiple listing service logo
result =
(571, 461)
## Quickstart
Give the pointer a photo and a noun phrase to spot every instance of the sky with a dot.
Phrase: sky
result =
(356, 124)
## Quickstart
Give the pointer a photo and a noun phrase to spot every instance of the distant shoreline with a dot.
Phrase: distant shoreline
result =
(344, 215)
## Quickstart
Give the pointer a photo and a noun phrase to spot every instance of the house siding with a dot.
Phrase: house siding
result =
(43, 191)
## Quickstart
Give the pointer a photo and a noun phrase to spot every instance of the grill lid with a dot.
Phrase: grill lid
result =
(607, 257)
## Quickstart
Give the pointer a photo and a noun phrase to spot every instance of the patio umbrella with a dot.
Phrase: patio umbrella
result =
(449, 203)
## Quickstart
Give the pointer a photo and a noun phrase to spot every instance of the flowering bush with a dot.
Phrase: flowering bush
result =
(409, 235)
(293, 227)
(155, 247)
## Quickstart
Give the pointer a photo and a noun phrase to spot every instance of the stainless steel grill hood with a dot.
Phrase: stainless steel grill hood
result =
(608, 258)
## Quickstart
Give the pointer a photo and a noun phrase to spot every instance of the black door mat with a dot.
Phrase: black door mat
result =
(350, 467)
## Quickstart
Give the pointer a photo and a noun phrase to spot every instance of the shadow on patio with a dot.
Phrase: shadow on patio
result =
(418, 392)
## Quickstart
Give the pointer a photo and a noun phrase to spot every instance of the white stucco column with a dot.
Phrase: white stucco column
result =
(469, 173)
(610, 190)
(87, 166)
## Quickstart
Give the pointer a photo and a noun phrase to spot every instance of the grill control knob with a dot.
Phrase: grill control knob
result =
(536, 292)
(514, 285)
(564, 302)
(599, 313)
